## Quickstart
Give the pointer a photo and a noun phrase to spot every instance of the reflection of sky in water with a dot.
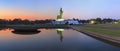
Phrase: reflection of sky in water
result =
(50, 40)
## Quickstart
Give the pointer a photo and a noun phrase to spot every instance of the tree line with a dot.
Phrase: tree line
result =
(98, 20)
(48, 21)
(24, 22)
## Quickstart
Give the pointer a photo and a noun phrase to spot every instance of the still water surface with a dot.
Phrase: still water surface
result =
(52, 40)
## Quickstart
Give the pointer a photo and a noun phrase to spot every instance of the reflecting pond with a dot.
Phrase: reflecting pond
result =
(51, 40)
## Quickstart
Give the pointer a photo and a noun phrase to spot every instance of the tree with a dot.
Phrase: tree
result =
(108, 20)
(16, 21)
(26, 22)
(99, 20)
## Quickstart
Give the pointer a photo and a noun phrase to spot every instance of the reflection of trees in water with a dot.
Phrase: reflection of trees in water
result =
(60, 33)
(25, 32)
(3, 28)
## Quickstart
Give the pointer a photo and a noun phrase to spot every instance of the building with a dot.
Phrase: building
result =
(70, 22)
(59, 22)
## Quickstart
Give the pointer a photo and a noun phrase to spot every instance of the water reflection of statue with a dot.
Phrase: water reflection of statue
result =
(59, 32)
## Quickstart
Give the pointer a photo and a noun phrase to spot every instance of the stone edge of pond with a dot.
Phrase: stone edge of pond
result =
(97, 35)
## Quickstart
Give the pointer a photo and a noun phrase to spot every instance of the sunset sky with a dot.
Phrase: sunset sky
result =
(49, 9)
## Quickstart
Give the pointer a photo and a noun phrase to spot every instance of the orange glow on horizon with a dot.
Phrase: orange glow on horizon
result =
(22, 14)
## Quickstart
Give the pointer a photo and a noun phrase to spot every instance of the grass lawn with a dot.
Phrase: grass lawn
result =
(100, 30)
(107, 25)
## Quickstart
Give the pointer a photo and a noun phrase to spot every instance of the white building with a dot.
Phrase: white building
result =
(59, 22)
(71, 22)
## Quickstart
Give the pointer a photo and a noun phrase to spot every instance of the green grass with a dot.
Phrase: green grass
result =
(106, 25)
(99, 30)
